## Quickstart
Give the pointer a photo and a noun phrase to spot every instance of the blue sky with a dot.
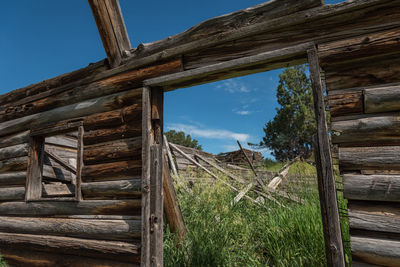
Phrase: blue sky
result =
(41, 39)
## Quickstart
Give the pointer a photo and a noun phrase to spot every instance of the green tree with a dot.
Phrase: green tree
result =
(180, 138)
(289, 134)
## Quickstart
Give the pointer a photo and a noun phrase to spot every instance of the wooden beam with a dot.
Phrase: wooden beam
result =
(34, 173)
(326, 180)
(111, 26)
(224, 70)
(172, 210)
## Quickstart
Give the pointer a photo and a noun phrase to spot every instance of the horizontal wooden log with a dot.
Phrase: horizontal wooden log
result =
(381, 252)
(84, 108)
(372, 130)
(32, 258)
(372, 187)
(382, 99)
(14, 151)
(108, 86)
(116, 189)
(111, 171)
(113, 151)
(13, 178)
(116, 250)
(12, 193)
(61, 140)
(349, 49)
(93, 229)
(49, 84)
(14, 139)
(109, 134)
(114, 118)
(15, 164)
(365, 158)
(229, 69)
(348, 103)
(366, 72)
(86, 207)
(383, 217)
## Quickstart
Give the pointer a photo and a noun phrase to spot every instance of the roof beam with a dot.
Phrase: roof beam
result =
(111, 26)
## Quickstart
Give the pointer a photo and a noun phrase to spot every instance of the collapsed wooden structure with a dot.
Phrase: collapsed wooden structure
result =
(112, 213)
(237, 157)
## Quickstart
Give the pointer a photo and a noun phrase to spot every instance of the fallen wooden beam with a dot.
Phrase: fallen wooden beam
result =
(170, 159)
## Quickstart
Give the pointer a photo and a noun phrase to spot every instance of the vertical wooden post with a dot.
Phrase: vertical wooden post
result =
(326, 180)
(79, 164)
(34, 172)
(111, 26)
(152, 177)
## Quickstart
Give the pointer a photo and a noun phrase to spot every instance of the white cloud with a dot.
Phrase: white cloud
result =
(195, 131)
(242, 112)
(234, 86)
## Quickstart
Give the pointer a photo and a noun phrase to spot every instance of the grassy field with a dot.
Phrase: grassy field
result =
(246, 234)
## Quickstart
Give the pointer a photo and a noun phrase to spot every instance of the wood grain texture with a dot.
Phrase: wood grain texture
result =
(123, 149)
(33, 258)
(382, 217)
(86, 207)
(372, 187)
(369, 130)
(326, 180)
(122, 189)
(13, 178)
(116, 250)
(12, 193)
(14, 164)
(111, 26)
(381, 252)
(348, 103)
(113, 118)
(368, 158)
(14, 151)
(84, 108)
(111, 171)
(14, 139)
(127, 230)
(34, 171)
(382, 99)
(132, 129)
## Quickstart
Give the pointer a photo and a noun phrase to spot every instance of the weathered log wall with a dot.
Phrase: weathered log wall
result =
(363, 85)
(358, 47)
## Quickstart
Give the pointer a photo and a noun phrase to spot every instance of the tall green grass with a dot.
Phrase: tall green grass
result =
(246, 234)
(2, 262)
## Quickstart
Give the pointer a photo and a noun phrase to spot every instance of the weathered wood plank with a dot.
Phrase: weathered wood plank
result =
(383, 217)
(382, 252)
(12, 193)
(13, 178)
(14, 164)
(109, 134)
(382, 69)
(347, 103)
(32, 258)
(122, 251)
(229, 69)
(34, 171)
(120, 82)
(118, 150)
(172, 210)
(61, 140)
(377, 129)
(326, 179)
(116, 189)
(111, 26)
(382, 99)
(111, 171)
(97, 105)
(372, 187)
(14, 151)
(79, 164)
(349, 49)
(85, 207)
(367, 158)
(55, 173)
(58, 190)
(146, 142)
(94, 229)
(14, 139)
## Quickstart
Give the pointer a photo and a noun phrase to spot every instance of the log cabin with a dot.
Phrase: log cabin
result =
(81, 159)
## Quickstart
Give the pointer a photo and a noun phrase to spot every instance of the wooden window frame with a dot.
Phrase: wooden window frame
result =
(35, 161)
